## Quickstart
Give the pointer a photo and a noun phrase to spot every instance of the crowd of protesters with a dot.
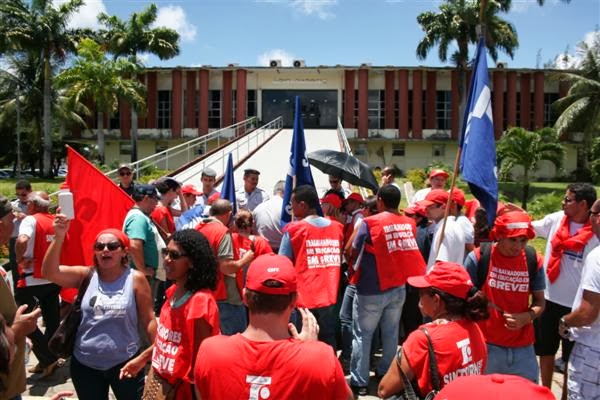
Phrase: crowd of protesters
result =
(193, 301)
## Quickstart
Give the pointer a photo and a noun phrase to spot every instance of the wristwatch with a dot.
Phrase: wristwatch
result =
(563, 323)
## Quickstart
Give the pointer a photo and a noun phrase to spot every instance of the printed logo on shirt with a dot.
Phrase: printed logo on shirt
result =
(468, 366)
(508, 280)
(109, 305)
(323, 253)
(399, 237)
(576, 256)
(259, 387)
(165, 349)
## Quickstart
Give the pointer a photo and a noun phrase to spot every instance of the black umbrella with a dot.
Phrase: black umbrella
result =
(345, 166)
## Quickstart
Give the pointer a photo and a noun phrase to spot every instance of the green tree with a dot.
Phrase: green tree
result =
(518, 146)
(580, 108)
(37, 25)
(93, 76)
(455, 26)
(134, 36)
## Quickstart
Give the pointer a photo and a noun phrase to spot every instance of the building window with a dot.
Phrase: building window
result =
(398, 149)
(549, 114)
(518, 109)
(234, 106)
(356, 108)
(376, 109)
(214, 109)
(438, 150)
(443, 109)
(164, 109)
(251, 103)
(423, 108)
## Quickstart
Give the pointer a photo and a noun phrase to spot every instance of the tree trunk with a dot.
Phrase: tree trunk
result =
(100, 134)
(47, 118)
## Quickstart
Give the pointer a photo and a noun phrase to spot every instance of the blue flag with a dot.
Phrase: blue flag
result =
(299, 170)
(228, 188)
(478, 147)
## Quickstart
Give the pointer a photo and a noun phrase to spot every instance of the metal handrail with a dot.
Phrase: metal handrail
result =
(191, 147)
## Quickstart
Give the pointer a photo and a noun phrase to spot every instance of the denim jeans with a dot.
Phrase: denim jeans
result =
(326, 320)
(346, 322)
(92, 384)
(368, 311)
(232, 318)
(520, 361)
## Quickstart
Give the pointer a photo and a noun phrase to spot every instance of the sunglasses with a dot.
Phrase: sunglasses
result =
(173, 255)
(124, 173)
(111, 246)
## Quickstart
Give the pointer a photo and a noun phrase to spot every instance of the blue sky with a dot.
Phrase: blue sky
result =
(347, 32)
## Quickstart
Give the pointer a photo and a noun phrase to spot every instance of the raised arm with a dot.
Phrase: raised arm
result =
(62, 275)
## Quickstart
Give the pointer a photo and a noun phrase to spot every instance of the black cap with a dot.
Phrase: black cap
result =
(146, 190)
(248, 171)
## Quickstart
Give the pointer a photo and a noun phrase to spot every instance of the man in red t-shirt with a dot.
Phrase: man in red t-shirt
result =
(270, 360)
(508, 285)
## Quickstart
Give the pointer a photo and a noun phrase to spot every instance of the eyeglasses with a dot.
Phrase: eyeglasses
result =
(124, 173)
(173, 254)
(111, 246)
(567, 199)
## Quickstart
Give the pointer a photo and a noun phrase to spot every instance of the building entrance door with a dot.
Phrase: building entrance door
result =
(319, 107)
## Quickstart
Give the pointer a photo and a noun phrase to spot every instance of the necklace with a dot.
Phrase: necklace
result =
(174, 303)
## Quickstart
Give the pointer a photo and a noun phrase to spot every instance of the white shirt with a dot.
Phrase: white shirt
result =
(420, 195)
(452, 248)
(467, 227)
(563, 290)
(267, 220)
(249, 201)
(589, 335)
(27, 228)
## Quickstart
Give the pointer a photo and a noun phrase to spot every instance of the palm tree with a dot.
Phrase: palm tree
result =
(580, 108)
(518, 146)
(38, 26)
(93, 76)
(129, 38)
(455, 25)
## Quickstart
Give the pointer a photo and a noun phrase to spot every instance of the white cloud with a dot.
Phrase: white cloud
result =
(573, 61)
(276, 54)
(320, 8)
(174, 17)
(87, 16)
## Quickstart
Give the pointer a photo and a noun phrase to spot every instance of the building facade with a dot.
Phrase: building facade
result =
(391, 115)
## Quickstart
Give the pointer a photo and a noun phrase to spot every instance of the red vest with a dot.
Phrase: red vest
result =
(174, 350)
(44, 233)
(397, 255)
(317, 253)
(215, 232)
(507, 286)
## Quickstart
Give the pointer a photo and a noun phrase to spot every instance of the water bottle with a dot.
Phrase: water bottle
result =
(65, 202)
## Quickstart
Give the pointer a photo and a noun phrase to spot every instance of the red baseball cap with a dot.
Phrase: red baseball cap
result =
(271, 267)
(458, 196)
(493, 387)
(512, 224)
(332, 199)
(190, 189)
(435, 196)
(438, 172)
(446, 276)
(213, 198)
(354, 196)
(417, 208)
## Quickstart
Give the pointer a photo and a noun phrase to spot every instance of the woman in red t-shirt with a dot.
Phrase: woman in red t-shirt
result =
(189, 314)
(448, 297)
(244, 240)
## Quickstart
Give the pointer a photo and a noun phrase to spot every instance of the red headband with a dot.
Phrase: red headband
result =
(118, 234)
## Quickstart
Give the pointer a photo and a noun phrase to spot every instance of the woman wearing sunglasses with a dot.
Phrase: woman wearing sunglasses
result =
(116, 306)
(448, 297)
(188, 316)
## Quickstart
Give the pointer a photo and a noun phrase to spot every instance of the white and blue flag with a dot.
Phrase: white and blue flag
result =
(299, 168)
(478, 147)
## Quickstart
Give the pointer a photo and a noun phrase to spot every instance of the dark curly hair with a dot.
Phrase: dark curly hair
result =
(203, 271)
(474, 308)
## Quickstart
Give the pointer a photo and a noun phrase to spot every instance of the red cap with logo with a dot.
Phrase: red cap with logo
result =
(512, 224)
(435, 196)
(332, 199)
(438, 172)
(493, 387)
(354, 196)
(446, 276)
(268, 268)
(190, 189)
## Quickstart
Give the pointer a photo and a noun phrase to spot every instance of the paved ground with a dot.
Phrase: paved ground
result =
(60, 381)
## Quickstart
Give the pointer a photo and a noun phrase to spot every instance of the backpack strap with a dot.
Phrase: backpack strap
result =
(532, 263)
(433, 367)
(483, 264)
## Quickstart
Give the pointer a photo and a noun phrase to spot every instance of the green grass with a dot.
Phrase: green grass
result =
(7, 186)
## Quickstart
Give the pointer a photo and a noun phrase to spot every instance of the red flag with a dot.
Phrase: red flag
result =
(99, 204)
